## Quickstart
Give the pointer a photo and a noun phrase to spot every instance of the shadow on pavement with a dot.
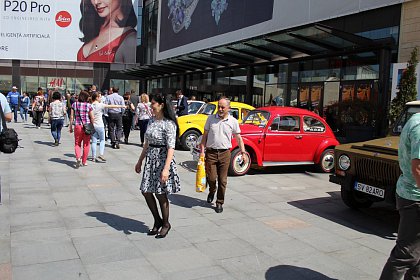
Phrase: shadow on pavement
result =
(70, 155)
(189, 165)
(188, 202)
(44, 143)
(381, 220)
(70, 163)
(119, 223)
(307, 169)
(294, 272)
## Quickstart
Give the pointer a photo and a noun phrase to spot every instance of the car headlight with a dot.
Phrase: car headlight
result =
(344, 162)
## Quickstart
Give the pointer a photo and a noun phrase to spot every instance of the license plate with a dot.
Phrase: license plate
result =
(369, 189)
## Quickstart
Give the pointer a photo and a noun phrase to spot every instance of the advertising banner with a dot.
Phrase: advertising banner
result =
(68, 30)
(185, 26)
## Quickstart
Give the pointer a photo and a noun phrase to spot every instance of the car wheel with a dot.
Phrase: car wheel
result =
(326, 162)
(354, 199)
(237, 166)
(189, 138)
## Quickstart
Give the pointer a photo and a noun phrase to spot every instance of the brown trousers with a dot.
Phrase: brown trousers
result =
(217, 165)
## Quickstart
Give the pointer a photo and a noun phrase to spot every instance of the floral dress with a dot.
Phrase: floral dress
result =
(161, 135)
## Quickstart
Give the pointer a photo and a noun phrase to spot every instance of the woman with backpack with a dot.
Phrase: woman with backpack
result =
(56, 112)
(127, 118)
(38, 108)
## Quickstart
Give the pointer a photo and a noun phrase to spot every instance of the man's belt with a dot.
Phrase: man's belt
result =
(216, 150)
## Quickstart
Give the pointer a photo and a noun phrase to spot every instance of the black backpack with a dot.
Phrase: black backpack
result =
(8, 137)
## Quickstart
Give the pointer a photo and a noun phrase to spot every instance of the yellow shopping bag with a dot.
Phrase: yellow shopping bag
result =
(200, 179)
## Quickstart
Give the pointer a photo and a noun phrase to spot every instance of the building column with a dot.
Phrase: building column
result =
(384, 99)
(101, 75)
(249, 84)
(16, 74)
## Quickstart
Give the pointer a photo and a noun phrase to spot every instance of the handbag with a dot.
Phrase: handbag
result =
(88, 128)
(8, 137)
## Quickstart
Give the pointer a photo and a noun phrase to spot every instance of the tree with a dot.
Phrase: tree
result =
(407, 87)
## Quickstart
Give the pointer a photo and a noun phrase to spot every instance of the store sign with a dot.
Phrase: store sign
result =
(398, 70)
(186, 26)
(67, 30)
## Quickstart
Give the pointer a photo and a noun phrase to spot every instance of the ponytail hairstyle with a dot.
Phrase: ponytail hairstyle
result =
(168, 111)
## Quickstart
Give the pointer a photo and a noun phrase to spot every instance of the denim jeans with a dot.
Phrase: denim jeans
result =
(15, 109)
(56, 126)
(24, 113)
(99, 134)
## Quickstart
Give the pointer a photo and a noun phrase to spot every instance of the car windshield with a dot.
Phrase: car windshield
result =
(207, 109)
(193, 107)
(258, 118)
(404, 118)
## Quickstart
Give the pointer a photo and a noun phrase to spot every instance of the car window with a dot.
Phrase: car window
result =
(193, 107)
(234, 112)
(311, 124)
(207, 109)
(258, 118)
(410, 111)
(244, 113)
(289, 123)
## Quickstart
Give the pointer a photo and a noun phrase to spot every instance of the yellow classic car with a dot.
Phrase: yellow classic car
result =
(192, 126)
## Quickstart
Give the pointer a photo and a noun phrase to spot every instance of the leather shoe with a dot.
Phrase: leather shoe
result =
(219, 208)
(210, 197)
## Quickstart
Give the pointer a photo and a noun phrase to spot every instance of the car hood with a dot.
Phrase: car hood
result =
(192, 118)
(250, 129)
(387, 145)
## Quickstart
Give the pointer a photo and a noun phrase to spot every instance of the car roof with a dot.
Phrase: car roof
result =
(236, 104)
(287, 110)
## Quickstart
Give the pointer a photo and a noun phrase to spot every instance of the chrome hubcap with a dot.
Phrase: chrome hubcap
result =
(328, 162)
(239, 165)
(191, 140)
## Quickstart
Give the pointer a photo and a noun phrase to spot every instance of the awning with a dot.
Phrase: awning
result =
(315, 40)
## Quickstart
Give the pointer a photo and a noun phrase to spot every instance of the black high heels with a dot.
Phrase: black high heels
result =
(159, 235)
(155, 229)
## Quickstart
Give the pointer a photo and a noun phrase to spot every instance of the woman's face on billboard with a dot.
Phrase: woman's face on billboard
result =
(105, 8)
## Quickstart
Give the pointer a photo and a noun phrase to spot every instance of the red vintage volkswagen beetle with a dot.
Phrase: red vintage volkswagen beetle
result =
(276, 136)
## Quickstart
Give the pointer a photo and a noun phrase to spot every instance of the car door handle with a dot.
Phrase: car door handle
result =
(298, 136)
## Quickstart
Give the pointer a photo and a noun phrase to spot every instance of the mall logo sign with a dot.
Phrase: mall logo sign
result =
(63, 18)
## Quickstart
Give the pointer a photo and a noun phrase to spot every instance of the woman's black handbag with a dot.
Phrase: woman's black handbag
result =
(88, 128)
(8, 137)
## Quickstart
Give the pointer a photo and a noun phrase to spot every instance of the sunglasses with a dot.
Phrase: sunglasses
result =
(222, 107)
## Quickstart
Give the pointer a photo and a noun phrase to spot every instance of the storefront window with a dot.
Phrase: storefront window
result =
(30, 84)
(5, 83)
(222, 77)
(275, 95)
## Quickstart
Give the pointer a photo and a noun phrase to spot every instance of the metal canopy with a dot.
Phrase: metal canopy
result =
(312, 40)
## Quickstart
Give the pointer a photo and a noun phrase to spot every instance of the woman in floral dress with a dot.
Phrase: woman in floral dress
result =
(160, 176)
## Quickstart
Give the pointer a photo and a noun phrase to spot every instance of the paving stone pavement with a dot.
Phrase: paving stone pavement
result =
(57, 222)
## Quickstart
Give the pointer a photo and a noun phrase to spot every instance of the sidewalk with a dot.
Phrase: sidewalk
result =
(57, 222)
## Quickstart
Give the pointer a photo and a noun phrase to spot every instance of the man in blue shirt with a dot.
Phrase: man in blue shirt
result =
(404, 261)
(14, 97)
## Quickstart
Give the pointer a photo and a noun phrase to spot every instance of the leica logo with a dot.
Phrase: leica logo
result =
(63, 19)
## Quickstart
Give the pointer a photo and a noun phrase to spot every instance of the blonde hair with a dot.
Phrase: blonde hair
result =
(144, 98)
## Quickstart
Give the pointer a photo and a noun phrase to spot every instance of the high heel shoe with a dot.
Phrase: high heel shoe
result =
(155, 229)
(159, 235)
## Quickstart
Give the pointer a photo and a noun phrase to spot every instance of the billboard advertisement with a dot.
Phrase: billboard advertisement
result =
(68, 30)
(186, 26)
